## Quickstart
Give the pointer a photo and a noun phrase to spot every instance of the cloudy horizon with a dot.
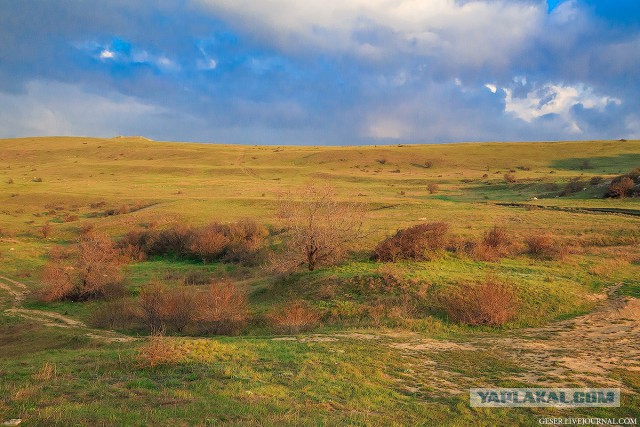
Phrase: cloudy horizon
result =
(321, 72)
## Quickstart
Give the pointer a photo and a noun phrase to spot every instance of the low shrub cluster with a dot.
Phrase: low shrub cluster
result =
(294, 317)
(385, 281)
(241, 241)
(574, 186)
(546, 247)
(159, 350)
(422, 242)
(494, 245)
(418, 242)
(490, 303)
(116, 314)
(510, 178)
(91, 269)
(627, 185)
(221, 309)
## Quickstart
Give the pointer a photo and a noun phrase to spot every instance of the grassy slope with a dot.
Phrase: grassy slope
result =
(356, 382)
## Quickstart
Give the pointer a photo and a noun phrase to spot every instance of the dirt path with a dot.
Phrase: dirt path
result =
(591, 350)
(15, 289)
(248, 171)
(17, 292)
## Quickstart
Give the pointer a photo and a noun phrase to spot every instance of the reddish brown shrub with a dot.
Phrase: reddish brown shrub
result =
(433, 188)
(166, 308)
(246, 238)
(415, 243)
(458, 244)
(495, 244)
(545, 246)
(480, 251)
(496, 238)
(87, 228)
(294, 317)
(490, 303)
(96, 205)
(133, 253)
(99, 267)
(121, 313)
(209, 244)
(46, 229)
(625, 185)
(235, 242)
(159, 350)
(621, 188)
(510, 178)
(171, 241)
(376, 313)
(222, 309)
(179, 307)
(70, 218)
(152, 299)
(58, 280)
(574, 186)
(92, 270)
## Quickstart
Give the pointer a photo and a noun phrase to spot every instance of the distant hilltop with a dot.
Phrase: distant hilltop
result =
(135, 137)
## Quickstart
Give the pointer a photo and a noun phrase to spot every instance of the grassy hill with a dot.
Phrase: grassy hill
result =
(405, 367)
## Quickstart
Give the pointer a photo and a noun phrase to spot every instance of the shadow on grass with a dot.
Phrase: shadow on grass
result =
(617, 164)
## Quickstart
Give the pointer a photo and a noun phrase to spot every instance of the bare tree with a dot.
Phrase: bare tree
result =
(319, 229)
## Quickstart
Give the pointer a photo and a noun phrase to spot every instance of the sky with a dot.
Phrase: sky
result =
(321, 72)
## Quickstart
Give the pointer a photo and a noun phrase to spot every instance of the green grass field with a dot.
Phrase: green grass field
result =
(576, 326)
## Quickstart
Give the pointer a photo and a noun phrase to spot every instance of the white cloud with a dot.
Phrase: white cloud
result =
(555, 99)
(633, 127)
(208, 64)
(386, 128)
(522, 80)
(165, 63)
(473, 33)
(565, 12)
(106, 54)
(491, 87)
(135, 55)
(53, 108)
